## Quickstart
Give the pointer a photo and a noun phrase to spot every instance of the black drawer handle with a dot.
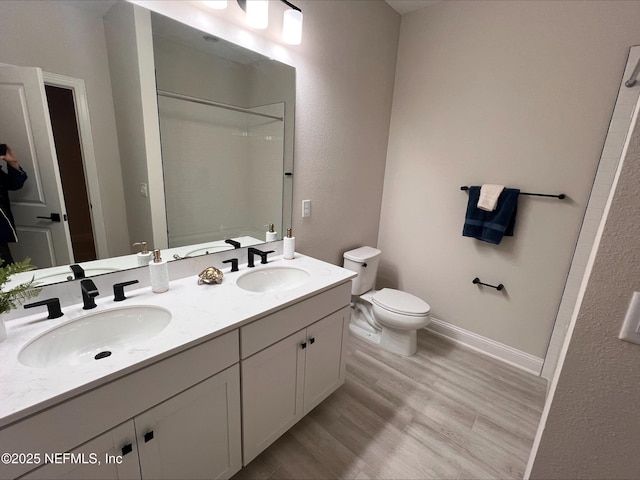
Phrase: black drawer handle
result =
(312, 340)
(303, 345)
(148, 436)
(128, 448)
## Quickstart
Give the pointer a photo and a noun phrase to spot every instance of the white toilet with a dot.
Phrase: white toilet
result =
(388, 317)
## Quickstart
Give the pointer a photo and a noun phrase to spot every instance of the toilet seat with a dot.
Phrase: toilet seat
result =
(401, 303)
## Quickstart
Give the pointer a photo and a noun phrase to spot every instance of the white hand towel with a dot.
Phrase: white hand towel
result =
(489, 195)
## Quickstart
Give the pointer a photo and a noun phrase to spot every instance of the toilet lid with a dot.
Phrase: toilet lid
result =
(400, 302)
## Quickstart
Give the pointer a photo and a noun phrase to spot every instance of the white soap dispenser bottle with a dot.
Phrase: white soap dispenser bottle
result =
(289, 246)
(158, 273)
(144, 255)
(271, 235)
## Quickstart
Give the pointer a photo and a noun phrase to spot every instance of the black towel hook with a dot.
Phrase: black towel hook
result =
(478, 282)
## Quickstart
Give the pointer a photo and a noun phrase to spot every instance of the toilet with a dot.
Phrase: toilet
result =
(388, 317)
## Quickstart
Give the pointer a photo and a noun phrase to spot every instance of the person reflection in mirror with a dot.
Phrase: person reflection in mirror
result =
(12, 179)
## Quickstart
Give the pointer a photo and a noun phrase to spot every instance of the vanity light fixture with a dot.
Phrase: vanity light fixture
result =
(216, 4)
(257, 16)
(292, 24)
(257, 13)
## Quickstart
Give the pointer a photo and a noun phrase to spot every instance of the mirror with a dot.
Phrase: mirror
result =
(195, 152)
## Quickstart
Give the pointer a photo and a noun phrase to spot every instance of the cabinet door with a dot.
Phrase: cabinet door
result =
(195, 434)
(272, 383)
(112, 455)
(324, 370)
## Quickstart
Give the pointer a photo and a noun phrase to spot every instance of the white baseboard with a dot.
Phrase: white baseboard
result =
(497, 350)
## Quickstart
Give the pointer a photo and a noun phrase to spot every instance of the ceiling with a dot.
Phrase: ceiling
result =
(406, 6)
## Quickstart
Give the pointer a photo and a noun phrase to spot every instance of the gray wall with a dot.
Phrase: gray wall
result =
(345, 71)
(515, 93)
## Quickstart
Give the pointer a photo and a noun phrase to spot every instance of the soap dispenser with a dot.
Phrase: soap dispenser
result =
(289, 247)
(144, 255)
(159, 273)
(271, 233)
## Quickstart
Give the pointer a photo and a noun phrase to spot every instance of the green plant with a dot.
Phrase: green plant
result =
(19, 294)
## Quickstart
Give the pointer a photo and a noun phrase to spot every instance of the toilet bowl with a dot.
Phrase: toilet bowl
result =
(387, 317)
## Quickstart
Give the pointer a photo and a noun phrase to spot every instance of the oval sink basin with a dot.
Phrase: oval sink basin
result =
(94, 336)
(273, 279)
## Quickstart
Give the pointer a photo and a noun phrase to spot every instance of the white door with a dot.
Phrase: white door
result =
(38, 208)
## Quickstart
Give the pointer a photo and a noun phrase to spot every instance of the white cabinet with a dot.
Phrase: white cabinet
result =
(283, 382)
(325, 358)
(112, 455)
(180, 417)
(194, 435)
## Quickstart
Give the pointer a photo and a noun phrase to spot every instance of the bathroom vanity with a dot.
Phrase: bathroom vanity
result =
(237, 365)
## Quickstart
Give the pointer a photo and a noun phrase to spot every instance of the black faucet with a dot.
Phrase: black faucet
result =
(234, 264)
(89, 293)
(232, 242)
(254, 251)
(77, 270)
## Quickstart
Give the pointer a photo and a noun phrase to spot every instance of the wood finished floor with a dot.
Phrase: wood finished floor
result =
(446, 413)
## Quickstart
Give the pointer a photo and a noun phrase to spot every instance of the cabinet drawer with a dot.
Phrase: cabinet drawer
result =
(272, 328)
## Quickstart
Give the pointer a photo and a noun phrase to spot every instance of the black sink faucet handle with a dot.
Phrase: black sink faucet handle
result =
(118, 290)
(89, 293)
(77, 270)
(233, 262)
(52, 304)
(233, 242)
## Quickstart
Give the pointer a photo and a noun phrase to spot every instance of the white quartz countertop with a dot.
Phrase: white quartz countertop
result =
(199, 313)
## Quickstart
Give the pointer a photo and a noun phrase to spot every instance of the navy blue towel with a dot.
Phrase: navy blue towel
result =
(491, 226)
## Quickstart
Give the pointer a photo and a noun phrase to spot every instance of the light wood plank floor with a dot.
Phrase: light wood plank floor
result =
(446, 413)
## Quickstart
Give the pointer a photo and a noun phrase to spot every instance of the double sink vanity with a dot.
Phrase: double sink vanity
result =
(191, 383)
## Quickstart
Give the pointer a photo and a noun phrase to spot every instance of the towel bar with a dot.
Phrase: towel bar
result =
(560, 196)
(497, 287)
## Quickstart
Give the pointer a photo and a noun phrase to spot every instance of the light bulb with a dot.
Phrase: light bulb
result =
(216, 4)
(258, 13)
(292, 27)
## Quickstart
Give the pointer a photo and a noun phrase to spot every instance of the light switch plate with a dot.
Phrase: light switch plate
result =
(630, 331)
(306, 208)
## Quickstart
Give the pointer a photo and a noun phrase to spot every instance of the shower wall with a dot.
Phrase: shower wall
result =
(211, 154)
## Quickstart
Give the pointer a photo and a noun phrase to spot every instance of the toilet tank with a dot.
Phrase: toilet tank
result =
(363, 261)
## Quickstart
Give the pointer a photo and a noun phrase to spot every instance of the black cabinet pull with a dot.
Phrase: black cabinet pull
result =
(303, 345)
(148, 436)
(312, 340)
(128, 448)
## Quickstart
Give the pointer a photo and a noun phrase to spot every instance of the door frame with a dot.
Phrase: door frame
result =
(76, 85)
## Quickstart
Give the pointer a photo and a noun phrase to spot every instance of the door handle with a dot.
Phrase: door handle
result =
(54, 217)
